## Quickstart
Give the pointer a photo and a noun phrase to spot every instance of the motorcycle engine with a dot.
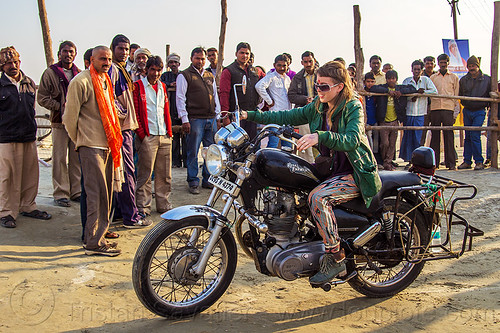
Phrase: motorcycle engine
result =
(287, 258)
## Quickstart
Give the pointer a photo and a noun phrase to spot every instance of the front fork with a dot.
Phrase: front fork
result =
(220, 222)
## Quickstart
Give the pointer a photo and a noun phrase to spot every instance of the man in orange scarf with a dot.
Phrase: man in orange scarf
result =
(92, 123)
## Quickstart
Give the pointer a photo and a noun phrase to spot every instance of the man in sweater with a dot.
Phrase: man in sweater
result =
(444, 111)
(138, 70)
(123, 86)
(302, 92)
(198, 107)
(18, 155)
(474, 84)
(51, 95)
(91, 119)
(154, 139)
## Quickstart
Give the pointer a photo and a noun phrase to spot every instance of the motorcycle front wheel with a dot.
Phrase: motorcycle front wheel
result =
(161, 269)
(395, 273)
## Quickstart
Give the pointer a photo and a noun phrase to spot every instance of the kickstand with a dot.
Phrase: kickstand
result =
(369, 262)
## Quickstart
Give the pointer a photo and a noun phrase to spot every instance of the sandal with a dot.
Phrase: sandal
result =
(8, 221)
(37, 214)
(62, 202)
(111, 234)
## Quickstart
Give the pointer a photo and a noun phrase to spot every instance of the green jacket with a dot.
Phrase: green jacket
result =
(350, 137)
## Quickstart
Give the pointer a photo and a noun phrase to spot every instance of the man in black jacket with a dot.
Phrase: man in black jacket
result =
(302, 92)
(474, 84)
(390, 111)
(18, 155)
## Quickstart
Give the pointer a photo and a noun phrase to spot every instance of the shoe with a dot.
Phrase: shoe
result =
(76, 199)
(144, 215)
(388, 167)
(194, 190)
(487, 162)
(329, 269)
(394, 164)
(63, 202)
(105, 250)
(37, 214)
(479, 166)
(207, 185)
(452, 168)
(8, 221)
(142, 223)
(161, 211)
(408, 166)
(111, 234)
(464, 166)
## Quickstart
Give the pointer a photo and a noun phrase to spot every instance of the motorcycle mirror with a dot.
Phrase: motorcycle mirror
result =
(244, 84)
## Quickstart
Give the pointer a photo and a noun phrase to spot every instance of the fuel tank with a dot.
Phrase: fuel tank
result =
(274, 167)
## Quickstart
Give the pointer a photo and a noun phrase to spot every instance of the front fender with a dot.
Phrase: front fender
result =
(180, 213)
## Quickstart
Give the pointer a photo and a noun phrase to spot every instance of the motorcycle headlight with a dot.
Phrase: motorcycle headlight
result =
(216, 159)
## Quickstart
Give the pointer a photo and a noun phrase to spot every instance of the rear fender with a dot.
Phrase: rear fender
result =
(183, 212)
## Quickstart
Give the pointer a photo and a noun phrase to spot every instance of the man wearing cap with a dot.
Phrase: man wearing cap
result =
(138, 70)
(18, 155)
(52, 96)
(474, 84)
(123, 87)
(178, 139)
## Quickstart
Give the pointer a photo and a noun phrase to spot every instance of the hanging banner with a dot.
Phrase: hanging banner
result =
(458, 50)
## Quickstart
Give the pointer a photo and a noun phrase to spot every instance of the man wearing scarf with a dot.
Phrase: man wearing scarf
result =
(91, 119)
(138, 70)
(123, 87)
(51, 95)
(18, 156)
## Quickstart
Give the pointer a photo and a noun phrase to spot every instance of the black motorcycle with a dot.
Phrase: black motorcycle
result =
(186, 262)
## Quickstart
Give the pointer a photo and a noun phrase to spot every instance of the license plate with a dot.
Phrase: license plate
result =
(223, 184)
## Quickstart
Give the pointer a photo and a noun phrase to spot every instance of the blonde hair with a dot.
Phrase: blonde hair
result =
(337, 71)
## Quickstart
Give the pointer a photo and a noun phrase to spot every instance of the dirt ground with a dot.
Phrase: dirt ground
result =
(49, 284)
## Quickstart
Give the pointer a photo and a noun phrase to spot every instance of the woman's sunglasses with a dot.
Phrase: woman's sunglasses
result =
(324, 87)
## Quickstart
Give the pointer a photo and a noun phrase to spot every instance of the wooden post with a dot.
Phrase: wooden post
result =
(222, 39)
(167, 50)
(494, 83)
(47, 41)
(358, 51)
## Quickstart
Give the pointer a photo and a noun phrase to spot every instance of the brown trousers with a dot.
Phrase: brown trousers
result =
(97, 170)
(388, 140)
(18, 177)
(155, 154)
(66, 171)
(444, 118)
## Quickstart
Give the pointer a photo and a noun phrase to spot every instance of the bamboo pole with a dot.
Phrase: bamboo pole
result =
(358, 51)
(47, 41)
(222, 39)
(494, 83)
(167, 50)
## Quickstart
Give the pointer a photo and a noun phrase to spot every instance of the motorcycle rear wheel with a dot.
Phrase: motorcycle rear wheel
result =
(395, 277)
(161, 265)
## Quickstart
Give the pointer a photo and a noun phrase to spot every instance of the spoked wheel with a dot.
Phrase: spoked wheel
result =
(43, 137)
(161, 272)
(395, 273)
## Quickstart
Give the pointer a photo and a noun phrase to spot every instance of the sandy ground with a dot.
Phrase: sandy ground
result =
(49, 284)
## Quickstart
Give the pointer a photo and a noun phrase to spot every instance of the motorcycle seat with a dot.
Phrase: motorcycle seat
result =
(391, 180)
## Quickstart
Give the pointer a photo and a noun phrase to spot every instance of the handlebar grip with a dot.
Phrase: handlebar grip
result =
(296, 135)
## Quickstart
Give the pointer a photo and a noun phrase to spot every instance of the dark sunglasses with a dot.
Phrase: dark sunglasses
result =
(324, 87)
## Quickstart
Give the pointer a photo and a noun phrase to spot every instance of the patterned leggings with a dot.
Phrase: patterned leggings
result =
(322, 200)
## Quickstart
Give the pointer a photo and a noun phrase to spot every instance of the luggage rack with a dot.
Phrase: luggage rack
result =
(432, 194)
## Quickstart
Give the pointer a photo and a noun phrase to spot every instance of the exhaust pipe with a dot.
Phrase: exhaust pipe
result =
(367, 235)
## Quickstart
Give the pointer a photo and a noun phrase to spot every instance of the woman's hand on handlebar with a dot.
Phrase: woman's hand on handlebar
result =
(243, 115)
(307, 141)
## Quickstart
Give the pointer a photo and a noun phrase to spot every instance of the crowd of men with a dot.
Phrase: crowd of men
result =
(126, 119)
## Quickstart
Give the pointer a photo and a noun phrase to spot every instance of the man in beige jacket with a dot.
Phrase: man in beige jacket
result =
(82, 119)
(52, 96)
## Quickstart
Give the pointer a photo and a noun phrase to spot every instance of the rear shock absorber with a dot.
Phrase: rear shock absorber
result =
(387, 223)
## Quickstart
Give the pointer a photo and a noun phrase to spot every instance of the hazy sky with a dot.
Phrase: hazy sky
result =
(400, 31)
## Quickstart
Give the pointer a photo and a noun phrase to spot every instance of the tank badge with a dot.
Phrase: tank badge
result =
(295, 168)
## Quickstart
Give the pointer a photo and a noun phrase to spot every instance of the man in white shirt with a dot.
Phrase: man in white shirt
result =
(416, 109)
(273, 88)
(198, 107)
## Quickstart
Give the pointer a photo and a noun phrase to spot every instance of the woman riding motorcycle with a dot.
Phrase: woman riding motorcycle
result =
(336, 121)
